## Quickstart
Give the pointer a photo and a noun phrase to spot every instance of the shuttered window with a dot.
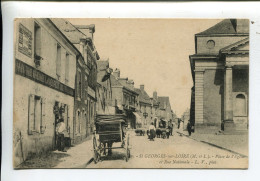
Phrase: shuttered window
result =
(36, 115)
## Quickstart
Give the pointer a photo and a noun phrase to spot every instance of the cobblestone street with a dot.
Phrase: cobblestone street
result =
(176, 152)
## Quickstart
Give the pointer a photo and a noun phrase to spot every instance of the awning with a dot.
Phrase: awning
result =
(138, 118)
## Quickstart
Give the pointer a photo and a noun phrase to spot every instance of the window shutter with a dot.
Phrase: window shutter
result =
(31, 114)
(68, 118)
(43, 124)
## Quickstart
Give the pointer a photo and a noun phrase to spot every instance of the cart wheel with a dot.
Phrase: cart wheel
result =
(95, 149)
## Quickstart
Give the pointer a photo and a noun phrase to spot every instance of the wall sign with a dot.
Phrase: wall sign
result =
(32, 73)
(25, 41)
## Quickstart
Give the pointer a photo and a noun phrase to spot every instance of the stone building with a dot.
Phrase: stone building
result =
(165, 111)
(144, 106)
(185, 118)
(45, 62)
(86, 76)
(219, 69)
(124, 97)
(104, 104)
(155, 108)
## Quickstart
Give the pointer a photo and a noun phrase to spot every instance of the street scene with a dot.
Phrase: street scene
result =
(131, 93)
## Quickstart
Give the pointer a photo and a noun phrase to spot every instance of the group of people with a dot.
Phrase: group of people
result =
(152, 131)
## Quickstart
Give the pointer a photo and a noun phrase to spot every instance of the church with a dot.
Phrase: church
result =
(220, 73)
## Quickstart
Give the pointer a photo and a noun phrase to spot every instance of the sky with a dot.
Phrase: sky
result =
(153, 52)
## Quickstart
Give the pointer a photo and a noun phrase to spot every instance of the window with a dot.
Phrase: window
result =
(78, 126)
(58, 61)
(66, 115)
(79, 83)
(37, 39)
(85, 86)
(67, 63)
(36, 115)
(37, 45)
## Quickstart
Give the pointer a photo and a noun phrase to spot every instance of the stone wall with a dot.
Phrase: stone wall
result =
(213, 96)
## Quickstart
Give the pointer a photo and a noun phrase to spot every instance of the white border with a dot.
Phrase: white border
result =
(11, 10)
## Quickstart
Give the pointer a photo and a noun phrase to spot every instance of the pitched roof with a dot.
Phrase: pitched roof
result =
(102, 64)
(69, 30)
(101, 72)
(156, 102)
(114, 81)
(143, 96)
(163, 102)
(228, 26)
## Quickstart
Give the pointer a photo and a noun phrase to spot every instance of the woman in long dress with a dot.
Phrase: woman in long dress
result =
(152, 132)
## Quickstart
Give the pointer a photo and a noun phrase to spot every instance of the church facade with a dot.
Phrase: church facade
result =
(220, 72)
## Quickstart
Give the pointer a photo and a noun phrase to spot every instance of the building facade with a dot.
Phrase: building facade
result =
(124, 97)
(165, 111)
(44, 92)
(86, 77)
(220, 69)
(185, 118)
(104, 104)
(144, 107)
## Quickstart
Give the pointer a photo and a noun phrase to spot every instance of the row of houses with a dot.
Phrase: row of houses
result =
(140, 108)
(58, 74)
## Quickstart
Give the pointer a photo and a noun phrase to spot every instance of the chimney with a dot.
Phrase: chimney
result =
(131, 83)
(116, 73)
(155, 95)
(124, 80)
(88, 30)
(142, 87)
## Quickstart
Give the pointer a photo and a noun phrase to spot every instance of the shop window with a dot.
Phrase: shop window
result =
(36, 117)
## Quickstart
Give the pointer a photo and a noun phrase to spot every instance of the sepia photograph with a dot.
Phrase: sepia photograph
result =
(130, 93)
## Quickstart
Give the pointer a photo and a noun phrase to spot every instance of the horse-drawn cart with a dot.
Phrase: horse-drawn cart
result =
(110, 129)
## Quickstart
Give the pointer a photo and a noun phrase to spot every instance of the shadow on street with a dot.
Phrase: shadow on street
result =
(48, 160)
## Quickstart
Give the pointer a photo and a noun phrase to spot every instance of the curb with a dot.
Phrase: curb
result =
(211, 144)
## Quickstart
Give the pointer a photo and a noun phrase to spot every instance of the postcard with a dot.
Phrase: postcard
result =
(130, 93)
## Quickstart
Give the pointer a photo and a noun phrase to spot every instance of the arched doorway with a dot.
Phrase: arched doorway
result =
(240, 111)
(240, 108)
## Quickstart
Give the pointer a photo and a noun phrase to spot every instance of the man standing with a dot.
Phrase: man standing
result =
(61, 134)
(189, 128)
(170, 126)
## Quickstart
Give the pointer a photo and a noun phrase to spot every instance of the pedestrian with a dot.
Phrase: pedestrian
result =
(189, 128)
(151, 132)
(61, 133)
(179, 122)
(168, 132)
(222, 125)
(170, 126)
